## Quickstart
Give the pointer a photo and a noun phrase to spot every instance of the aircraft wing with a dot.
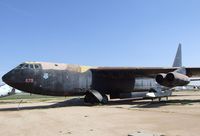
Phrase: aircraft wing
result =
(131, 72)
(193, 72)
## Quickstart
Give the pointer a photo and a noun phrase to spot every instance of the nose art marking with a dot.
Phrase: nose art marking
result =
(46, 76)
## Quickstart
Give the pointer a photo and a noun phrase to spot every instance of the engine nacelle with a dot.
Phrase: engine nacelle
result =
(160, 78)
(177, 79)
(172, 79)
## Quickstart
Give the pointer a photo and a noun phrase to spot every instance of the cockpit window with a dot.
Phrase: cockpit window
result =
(37, 66)
(20, 66)
(29, 66)
(26, 66)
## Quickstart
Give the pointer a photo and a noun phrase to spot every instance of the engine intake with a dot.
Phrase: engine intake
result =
(172, 79)
(160, 78)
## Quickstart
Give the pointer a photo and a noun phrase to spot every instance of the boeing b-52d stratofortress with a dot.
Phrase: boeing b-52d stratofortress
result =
(96, 83)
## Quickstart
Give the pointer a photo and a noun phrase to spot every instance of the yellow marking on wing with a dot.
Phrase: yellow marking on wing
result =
(85, 68)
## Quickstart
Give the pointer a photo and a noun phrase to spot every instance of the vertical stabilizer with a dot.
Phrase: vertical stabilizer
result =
(178, 58)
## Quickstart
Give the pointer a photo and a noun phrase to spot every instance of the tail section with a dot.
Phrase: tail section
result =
(178, 58)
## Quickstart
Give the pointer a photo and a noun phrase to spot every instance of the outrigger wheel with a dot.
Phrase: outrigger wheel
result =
(93, 96)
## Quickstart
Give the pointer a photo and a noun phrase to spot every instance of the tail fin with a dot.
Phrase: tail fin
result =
(178, 58)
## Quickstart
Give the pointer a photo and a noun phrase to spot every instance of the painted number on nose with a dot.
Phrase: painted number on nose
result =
(29, 80)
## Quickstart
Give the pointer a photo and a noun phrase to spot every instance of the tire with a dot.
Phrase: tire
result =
(90, 98)
(105, 99)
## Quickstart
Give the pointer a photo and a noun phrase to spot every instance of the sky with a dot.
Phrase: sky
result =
(99, 32)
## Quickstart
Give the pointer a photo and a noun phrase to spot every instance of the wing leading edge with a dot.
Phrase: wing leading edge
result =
(117, 72)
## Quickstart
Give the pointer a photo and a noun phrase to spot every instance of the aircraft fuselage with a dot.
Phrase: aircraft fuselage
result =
(71, 80)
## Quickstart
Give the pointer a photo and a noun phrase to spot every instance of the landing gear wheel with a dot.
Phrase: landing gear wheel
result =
(105, 99)
(90, 98)
(94, 97)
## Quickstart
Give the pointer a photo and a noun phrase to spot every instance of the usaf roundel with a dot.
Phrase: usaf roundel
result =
(46, 76)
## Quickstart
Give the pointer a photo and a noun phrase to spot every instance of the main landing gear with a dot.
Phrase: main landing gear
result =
(93, 97)
(160, 99)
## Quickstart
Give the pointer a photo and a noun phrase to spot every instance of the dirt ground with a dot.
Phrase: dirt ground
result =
(180, 116)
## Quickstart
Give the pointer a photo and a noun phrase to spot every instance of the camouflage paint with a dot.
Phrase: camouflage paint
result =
(70, 80)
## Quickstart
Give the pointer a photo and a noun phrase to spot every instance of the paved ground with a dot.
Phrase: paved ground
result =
(178, 117)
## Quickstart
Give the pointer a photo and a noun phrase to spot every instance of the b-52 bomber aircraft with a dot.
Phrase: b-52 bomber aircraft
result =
(97, 83)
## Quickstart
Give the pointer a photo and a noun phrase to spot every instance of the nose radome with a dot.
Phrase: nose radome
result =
(6, 78)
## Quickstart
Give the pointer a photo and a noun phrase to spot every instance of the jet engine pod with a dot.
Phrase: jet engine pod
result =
(172, 79)
(177, 79)
(160, 78)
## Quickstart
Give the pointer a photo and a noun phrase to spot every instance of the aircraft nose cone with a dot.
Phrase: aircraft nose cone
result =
(4, 78)
(7, 78)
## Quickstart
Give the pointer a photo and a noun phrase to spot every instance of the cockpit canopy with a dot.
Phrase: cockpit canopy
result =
(29, 66)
